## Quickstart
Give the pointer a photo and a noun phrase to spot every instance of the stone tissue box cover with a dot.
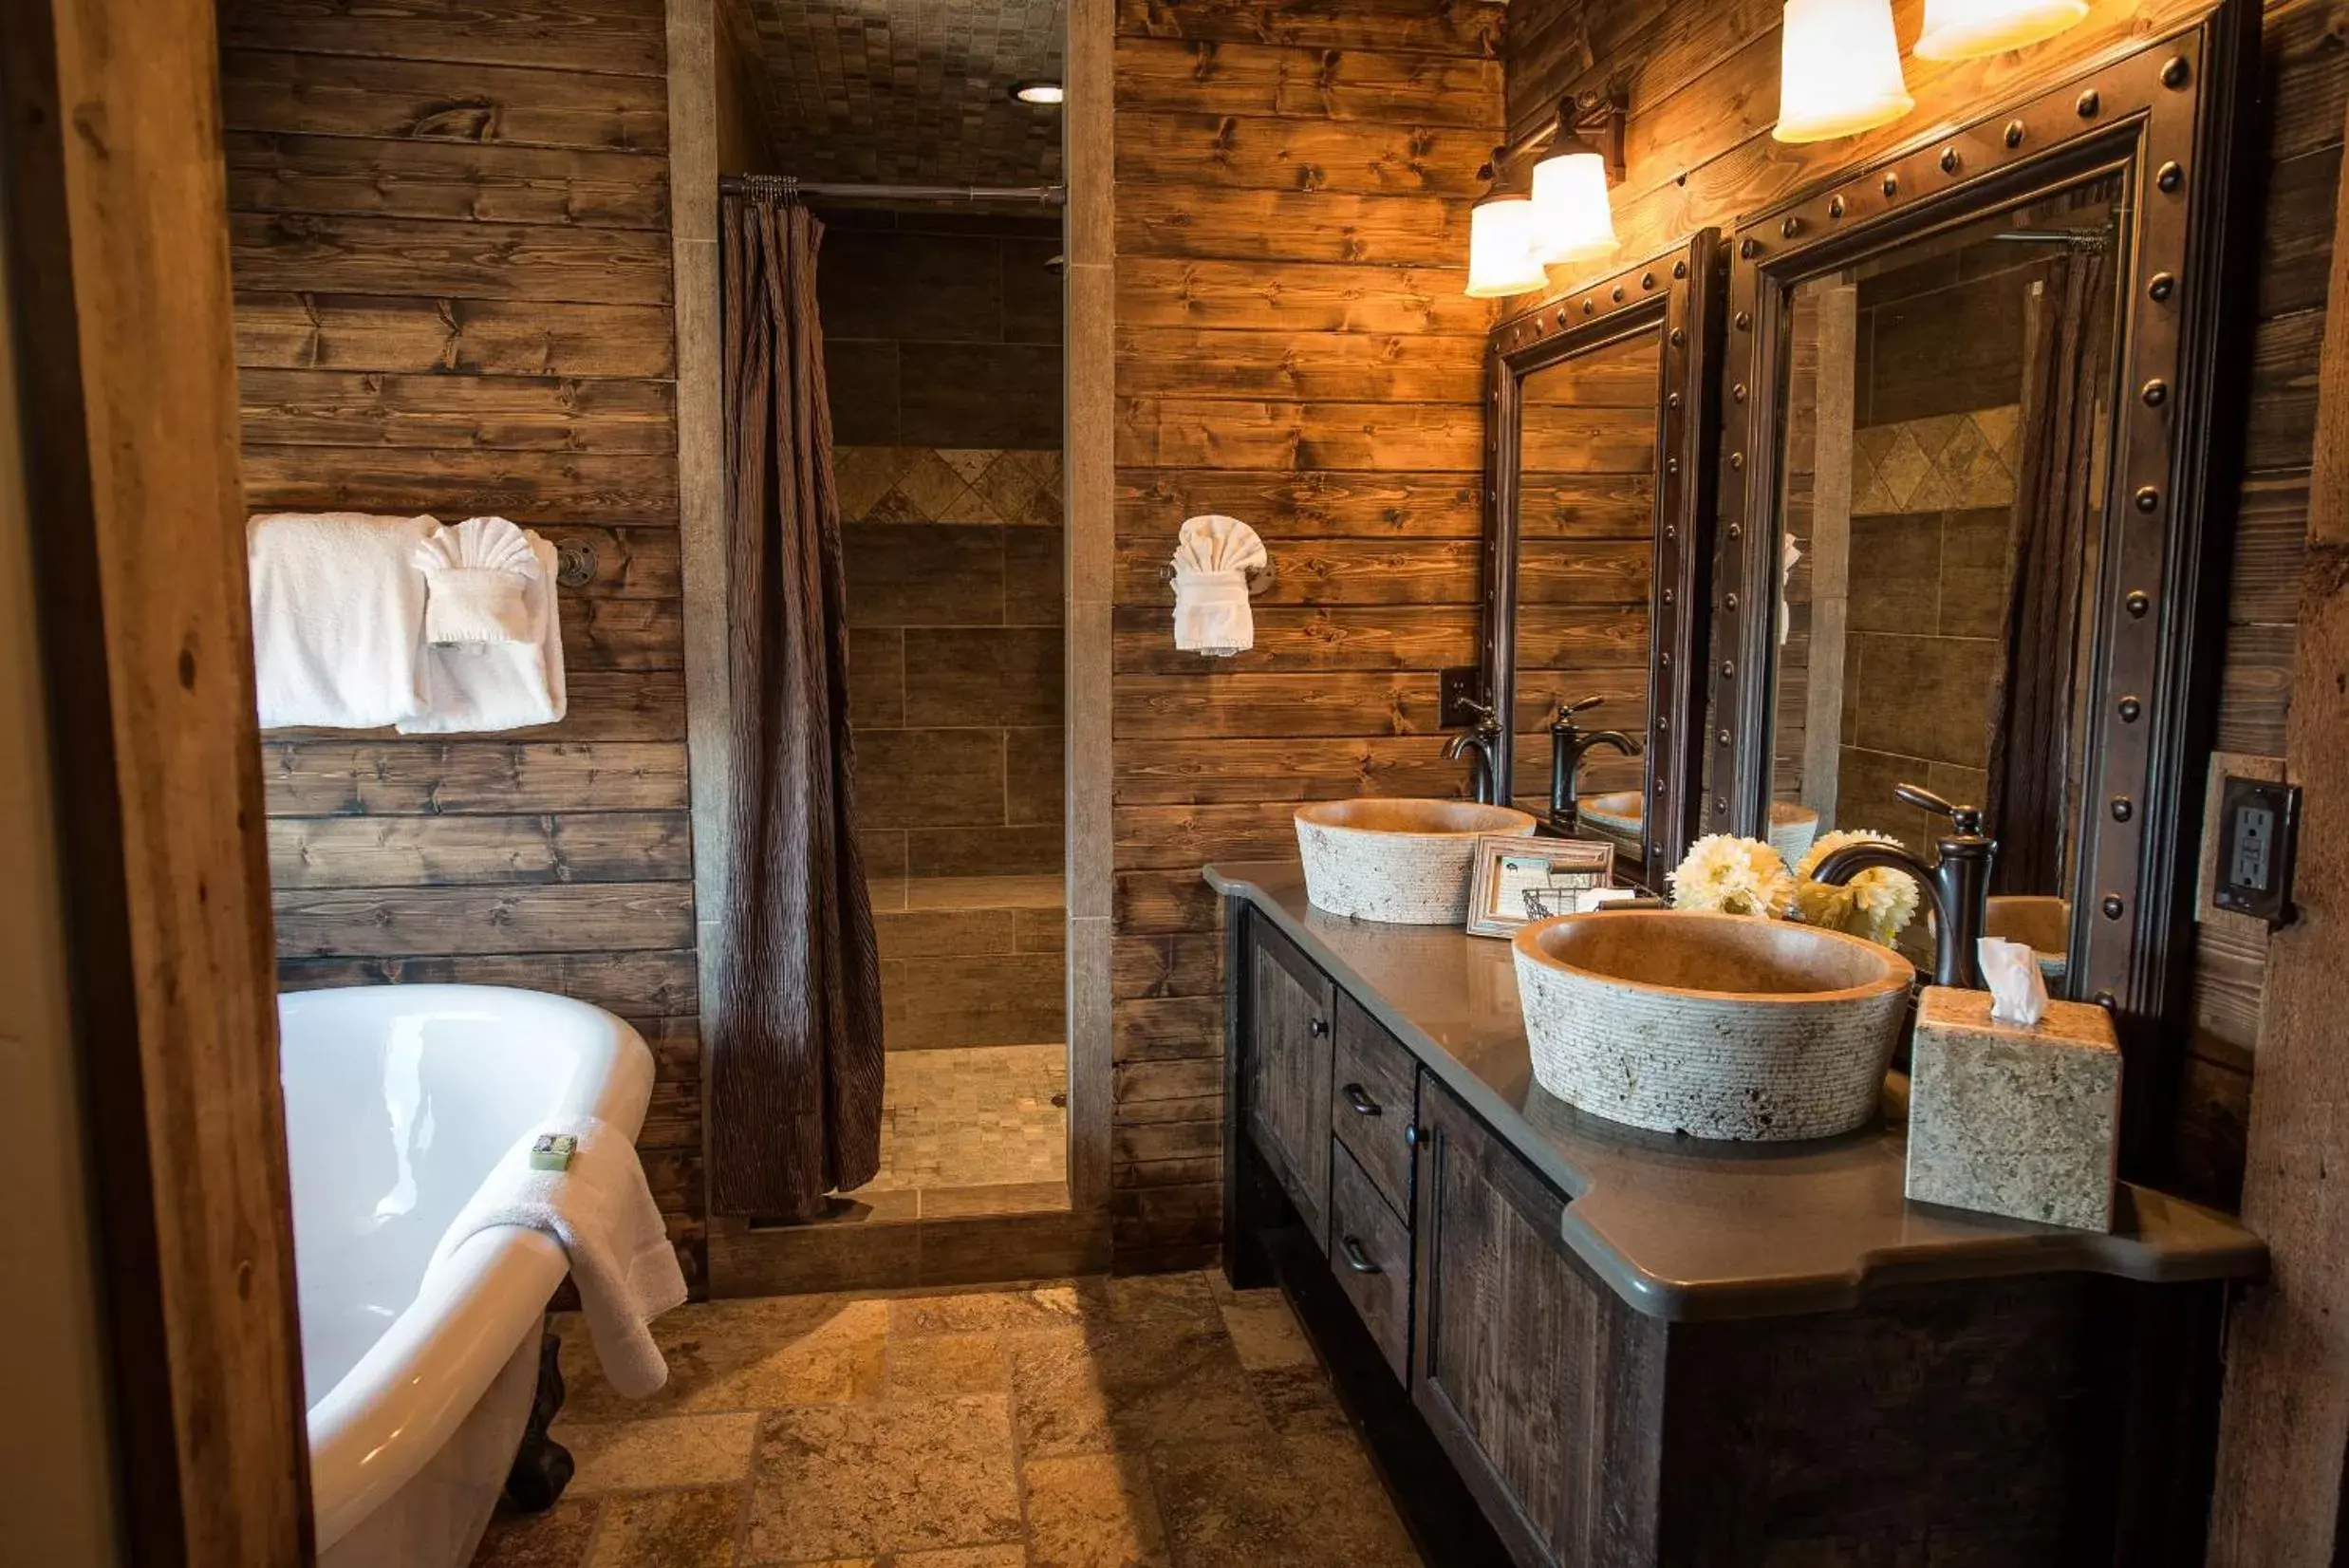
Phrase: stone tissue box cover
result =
(2015, 1121)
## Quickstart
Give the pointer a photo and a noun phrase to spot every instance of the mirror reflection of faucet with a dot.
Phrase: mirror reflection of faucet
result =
(1483, 738)
(1568, 743)
(1958, 886)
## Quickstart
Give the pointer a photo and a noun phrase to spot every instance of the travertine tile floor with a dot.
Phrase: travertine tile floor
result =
(1161, 1421)
(981, 1115)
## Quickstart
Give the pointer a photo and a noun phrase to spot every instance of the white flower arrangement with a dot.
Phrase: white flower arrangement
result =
(1877, 903)
(1745, 876)
(1731, 876)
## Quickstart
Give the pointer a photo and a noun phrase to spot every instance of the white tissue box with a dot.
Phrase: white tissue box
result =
(2014, 1121)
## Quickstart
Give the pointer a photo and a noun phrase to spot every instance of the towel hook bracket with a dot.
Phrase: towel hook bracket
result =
(1259, 578)
(574, 563)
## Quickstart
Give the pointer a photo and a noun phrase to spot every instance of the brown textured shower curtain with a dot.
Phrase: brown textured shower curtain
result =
(794, 1066)
(2056, 504)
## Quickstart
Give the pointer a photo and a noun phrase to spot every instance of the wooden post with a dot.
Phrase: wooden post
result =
(1831, 550)
(119, 286)
(2284, 1424)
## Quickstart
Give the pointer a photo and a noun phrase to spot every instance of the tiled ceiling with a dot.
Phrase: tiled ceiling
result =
(910, 90)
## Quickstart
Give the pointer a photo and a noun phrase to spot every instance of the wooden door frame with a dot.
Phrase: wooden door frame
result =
(120, 299)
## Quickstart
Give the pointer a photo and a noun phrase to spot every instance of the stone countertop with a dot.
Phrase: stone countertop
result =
(1690, 1229)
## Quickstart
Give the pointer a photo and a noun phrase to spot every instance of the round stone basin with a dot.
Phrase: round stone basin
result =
(1721, 1026)
(1405, 862)
(1617, 812)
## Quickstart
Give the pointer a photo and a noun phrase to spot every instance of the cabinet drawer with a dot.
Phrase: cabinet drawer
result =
(1374, 1101)
(1371, 1254)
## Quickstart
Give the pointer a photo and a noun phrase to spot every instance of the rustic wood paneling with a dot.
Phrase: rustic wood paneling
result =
(1292, 349)
(1704, 92)
(450, 235)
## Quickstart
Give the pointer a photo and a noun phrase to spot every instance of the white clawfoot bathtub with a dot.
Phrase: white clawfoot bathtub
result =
(398, 1100)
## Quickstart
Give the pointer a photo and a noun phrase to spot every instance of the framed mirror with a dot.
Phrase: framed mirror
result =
(1602, 418)
(1969, 542)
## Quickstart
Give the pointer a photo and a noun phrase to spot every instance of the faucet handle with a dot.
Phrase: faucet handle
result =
(1965, 819)
(1566, 711)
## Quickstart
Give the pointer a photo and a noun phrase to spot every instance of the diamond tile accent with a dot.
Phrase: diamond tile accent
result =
(1937, 464)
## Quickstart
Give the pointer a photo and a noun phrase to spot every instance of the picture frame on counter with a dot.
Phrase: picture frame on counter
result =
(1515, 881)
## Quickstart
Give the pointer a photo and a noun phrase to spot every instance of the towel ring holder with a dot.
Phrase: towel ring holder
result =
(1259, 578)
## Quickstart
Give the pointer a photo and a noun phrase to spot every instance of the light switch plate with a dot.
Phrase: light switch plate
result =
(1455, 689)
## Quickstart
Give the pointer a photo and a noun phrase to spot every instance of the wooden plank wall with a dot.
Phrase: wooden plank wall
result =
(450, 236)
(1292, 348)
(1704, 87)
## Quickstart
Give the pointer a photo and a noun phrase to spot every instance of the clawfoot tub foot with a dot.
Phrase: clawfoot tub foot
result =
(542, 1467)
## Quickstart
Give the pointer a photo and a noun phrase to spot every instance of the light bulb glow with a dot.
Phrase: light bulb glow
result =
(1967, 29)
(1501, 249)
(1839, 70)
(1571, 219)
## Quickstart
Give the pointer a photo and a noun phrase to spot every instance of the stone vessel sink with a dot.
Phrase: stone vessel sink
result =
(1618, 812)
(1405, 862)
(1722, 1026)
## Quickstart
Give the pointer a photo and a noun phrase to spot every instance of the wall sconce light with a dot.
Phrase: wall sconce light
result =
(1558, 214)
(1571, 218)
(1839, 70)
(1500, 248)
(1964, 30)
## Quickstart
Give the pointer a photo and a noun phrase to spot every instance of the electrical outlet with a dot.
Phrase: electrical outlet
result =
(1455, 690)
(2258, 824)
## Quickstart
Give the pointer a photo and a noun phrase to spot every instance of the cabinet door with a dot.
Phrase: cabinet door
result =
(1542, 1386)
(1288, 1073)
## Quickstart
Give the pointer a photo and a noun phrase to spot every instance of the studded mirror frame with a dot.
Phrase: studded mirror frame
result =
(2169, 116)
(1680, 294)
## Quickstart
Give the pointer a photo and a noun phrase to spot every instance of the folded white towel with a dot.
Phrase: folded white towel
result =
(1211, 566)
(476, 580)
(501, 685)
(602, 1210)
(338, 616)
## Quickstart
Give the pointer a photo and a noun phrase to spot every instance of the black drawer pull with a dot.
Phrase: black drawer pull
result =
(1316, 1027)
(1361, 1104)
(1356, 1258)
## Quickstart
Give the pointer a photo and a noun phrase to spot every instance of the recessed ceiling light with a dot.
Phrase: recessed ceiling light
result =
(1047, 94)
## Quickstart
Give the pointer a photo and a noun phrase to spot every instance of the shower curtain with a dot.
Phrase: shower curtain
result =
(2056, 496)
(795, 1047)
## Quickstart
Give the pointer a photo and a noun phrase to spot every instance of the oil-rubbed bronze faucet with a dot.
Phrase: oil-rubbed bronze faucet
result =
(1483, 738)
(1568, 743)
(1958, 885)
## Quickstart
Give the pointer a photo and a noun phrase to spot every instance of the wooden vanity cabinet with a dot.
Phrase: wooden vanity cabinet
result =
(1286, 1073)
(2045, 1420)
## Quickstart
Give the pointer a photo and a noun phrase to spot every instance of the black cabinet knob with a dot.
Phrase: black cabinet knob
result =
(1356, 1258)
(1316, 1027)
(1361, 1104)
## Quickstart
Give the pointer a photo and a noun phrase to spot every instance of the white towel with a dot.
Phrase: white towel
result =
(501, 685)
(602, 1210)
(477, 578)
(1211, 566)
(338, 616)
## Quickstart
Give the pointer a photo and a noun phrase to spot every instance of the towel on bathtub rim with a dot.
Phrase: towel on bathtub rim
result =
(601, 1209)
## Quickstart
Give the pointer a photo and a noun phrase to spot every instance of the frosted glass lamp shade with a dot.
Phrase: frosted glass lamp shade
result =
(1839, 71)
(1964, 29)
(1572, 220)
(1501, 249)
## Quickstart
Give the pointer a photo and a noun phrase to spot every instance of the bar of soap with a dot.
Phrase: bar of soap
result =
(553, 1152)
(2014, 1121)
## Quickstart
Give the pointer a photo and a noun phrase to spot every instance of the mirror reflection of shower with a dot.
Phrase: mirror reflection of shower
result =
(1947, 427)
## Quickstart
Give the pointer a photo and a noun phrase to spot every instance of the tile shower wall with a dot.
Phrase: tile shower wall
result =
(943, 348)
(1939, 347)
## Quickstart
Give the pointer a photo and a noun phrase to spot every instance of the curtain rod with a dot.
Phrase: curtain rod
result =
(1049, 195)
